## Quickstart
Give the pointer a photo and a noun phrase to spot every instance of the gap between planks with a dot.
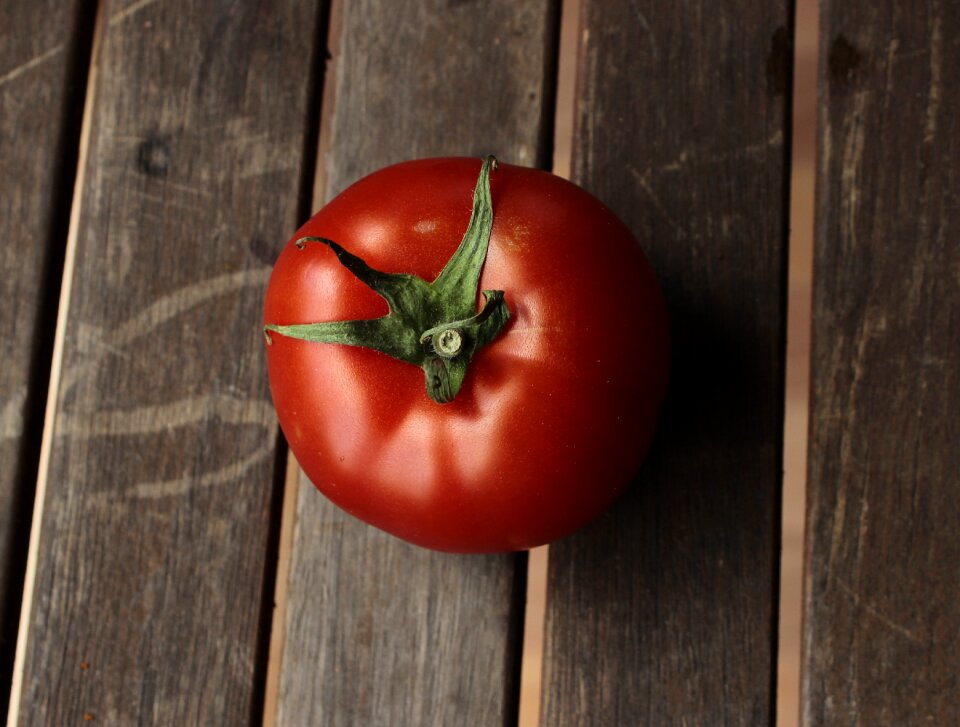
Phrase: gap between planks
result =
(53, 391)
(288, 519)
(278, 632)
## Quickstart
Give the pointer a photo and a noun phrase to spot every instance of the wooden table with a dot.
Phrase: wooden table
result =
(156, 154)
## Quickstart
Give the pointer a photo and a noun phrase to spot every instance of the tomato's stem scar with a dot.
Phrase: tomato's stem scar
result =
(448, 343)
(432, 325)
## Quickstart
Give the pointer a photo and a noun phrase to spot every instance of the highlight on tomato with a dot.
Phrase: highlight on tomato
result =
(466, 354)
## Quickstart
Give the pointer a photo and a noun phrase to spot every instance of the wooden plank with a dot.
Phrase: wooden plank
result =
(40, 45)
(153, 551)
(665, 610)
(379, 632)
(882, 582)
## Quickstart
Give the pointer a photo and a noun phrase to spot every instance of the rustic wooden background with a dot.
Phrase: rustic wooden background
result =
(162, 561)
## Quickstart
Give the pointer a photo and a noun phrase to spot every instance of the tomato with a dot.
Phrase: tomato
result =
(541, 427)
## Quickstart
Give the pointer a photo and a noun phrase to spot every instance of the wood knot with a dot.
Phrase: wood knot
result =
(154, 157)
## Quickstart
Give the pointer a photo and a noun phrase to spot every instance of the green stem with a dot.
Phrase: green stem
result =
(431, 325)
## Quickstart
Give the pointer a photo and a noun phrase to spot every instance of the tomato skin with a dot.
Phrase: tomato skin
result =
(555, 415)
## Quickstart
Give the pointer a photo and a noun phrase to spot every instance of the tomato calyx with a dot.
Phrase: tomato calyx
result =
(431, 325)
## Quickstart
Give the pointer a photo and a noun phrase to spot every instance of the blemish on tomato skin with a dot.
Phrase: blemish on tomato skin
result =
(518, 239)
(425, 227)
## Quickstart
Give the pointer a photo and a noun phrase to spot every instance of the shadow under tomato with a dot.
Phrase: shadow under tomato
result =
(694, 540)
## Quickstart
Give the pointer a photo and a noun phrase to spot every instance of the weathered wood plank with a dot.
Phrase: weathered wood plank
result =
(379, 632)
(148, 599)
(41, 98)
(665, 611)
(883, 567)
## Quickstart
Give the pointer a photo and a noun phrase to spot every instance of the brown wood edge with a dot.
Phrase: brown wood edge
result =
(786, 193)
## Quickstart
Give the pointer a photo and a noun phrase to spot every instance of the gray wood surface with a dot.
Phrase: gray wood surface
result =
(665, 610)
(379, 632)
(40, 101)
(882, 631)
(152, 592)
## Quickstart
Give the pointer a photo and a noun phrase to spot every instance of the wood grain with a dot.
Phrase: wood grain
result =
(883, 562)
(41, 97)
(665, 610)
(378, 632)
(152, 554)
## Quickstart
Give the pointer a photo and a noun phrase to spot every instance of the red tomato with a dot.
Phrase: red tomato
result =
(554, 416)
